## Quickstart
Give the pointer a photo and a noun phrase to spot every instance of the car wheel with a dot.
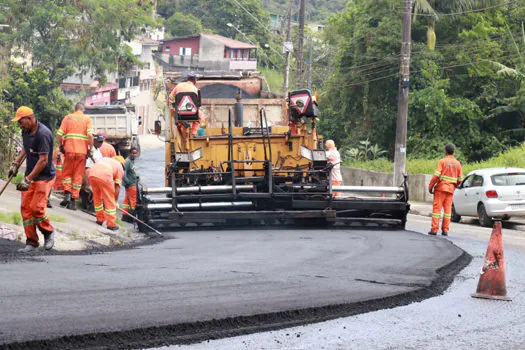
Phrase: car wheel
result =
(484, 219)
(455, 217)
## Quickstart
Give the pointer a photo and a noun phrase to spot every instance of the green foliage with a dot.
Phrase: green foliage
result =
(36, 89)
(68, 36)
(181, 24)
(514, 157)
(456, 94)
(274, 78)
(365, 151)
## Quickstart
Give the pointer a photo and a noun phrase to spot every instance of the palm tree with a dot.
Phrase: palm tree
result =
(433, 8)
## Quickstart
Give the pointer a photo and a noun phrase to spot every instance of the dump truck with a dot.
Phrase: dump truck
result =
(257, 159)
(120, 124)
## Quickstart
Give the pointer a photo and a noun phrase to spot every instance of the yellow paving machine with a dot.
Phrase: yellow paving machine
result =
(236, 155)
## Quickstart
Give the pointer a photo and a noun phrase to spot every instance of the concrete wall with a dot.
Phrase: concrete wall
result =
(417, 183)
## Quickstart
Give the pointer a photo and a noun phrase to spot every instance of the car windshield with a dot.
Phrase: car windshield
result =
(508, 179)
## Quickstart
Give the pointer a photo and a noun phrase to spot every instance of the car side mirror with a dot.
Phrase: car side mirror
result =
(158, 127)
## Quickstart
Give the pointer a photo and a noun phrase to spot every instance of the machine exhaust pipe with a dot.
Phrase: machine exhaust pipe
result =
(239, 110)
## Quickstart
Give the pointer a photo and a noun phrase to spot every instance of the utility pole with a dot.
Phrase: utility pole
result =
(300, 45)
(288, 53)
(400, 155)
(310, 63)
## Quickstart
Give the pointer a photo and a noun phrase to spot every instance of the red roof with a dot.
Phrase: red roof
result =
(233, 44)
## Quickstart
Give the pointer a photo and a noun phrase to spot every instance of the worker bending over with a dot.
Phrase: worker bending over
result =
(105, 178)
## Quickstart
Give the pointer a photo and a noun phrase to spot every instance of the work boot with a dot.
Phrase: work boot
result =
(72, 205)
(28, 249)
(432, 233)
(100, 223)
(444, 233)
(49, 240)
(114, 228)
(66, 200)
(127, 218)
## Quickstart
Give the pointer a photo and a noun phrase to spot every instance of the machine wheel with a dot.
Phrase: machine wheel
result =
(484, 219)
(455, 217)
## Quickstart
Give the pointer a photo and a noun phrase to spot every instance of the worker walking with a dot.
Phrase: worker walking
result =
(76, 139)
(105, 178)
(105, 148)
(333, 156)
(38, 180)
(447, 176)
(130, 182)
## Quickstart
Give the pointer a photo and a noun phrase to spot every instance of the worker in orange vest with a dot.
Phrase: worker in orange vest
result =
(76, 140)
(187, 86)
(106, 149)
(105, 178)
(58, 160)
(447, 176)
(38, 180)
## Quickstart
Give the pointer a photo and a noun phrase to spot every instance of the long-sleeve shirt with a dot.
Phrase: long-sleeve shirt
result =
(335, 158)
(447, 176)
(130, 173)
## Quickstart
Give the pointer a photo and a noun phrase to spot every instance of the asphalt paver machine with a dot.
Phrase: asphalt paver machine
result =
(254, 160)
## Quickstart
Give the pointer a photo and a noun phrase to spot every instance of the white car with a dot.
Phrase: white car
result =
(490, 193)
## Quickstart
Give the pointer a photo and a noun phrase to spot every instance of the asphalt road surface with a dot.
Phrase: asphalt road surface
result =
(207, 275)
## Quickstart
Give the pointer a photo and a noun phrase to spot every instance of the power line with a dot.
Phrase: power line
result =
(462, 12)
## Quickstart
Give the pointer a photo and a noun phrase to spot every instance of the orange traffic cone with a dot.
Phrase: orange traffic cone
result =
(491, 283)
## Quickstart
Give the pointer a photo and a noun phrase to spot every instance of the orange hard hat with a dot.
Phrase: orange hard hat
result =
(22, 112)
(120, 159)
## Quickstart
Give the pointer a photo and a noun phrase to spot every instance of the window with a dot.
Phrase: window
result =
(510, 179)
(185, 51)
(477, 181)
(167, 48)
(467, 181)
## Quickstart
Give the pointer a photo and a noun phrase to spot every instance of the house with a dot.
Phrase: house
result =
(208, 52)
(133, 86)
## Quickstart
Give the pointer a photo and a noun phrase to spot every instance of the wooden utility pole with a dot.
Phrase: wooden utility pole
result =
(310, 64)
(400, 155)
(300, 45)
(288, 53)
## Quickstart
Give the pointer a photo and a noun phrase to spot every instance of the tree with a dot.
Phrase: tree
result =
(36, 89)
(180, 24)
(432, 8)
(64, 36)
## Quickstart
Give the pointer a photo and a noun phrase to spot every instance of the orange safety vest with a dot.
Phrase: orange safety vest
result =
(447, 176)
(75, 129)
(107, 169)
(182, 87)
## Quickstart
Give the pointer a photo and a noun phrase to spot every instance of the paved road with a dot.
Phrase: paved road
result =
(212, 275)
(453, 320)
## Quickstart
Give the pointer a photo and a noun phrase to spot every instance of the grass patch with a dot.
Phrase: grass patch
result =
(514, 157)
(13, 218)
(56, 218)
(274, 78)
(17, 179)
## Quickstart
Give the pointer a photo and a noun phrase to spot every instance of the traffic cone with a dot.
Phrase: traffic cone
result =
(491, 283)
